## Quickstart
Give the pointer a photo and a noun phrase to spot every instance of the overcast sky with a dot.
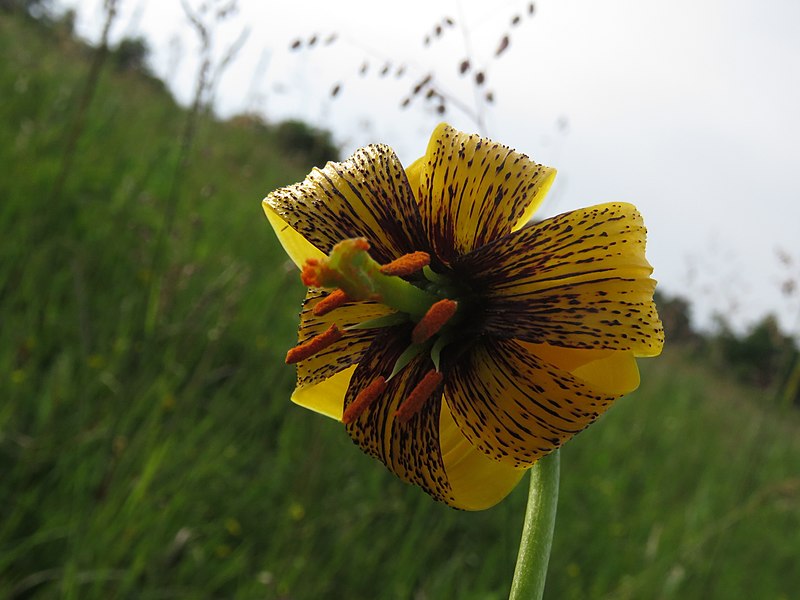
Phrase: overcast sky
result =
(686, 108)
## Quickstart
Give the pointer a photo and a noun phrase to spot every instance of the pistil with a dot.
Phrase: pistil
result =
(349, 267)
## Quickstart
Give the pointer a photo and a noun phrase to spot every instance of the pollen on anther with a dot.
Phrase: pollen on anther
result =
(436, 317)
(364, 399)
(333, 300)
(421, 392)
(316, 344)
(408, 264)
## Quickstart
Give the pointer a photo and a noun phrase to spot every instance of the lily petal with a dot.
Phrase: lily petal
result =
(610, 371)
(515, 407)
(327, 396)
(410, 450)
(298, 248)
(477, 481)
(472, 191)
(578, 280)
(341, 354)
(414, 172)
(367, 195)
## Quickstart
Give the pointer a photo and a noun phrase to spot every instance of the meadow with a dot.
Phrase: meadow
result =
(148, 448)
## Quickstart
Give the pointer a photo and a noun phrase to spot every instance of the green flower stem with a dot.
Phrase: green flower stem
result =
(537, 530)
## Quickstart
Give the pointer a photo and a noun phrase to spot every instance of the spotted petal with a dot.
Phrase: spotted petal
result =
(472, 191)
(327, 396)
(297, 248)
(312, 389)
(613, 372)
(410, 450)
(578, 280)
(367, 195)
(514, 406)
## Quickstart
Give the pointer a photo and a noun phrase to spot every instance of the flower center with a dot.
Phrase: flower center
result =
(408, 285)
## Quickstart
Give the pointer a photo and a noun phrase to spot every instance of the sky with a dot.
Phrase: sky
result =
(686, 108)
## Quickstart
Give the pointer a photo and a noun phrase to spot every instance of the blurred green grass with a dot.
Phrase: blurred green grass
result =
(170, 464)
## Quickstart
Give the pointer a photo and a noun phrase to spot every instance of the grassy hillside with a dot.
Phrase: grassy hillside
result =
(147, 446)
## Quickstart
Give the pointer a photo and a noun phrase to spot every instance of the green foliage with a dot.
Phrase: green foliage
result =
(301, 139)
(762, 356)
(675, 313)
(131, 54)
(693, 490)
(169, 463)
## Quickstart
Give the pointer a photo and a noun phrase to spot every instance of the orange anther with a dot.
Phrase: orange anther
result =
(333, 300)
(316, 344)
(421, 392)
(437, 315)
(364, 399)
(407, 264)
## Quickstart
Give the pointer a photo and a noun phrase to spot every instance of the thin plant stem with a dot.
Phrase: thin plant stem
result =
(85, 100)
(537, 530)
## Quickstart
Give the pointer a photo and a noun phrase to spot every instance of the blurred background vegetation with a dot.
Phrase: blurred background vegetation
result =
(147, 445)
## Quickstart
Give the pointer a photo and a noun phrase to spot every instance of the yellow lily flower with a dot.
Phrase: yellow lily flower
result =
(457, 341)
